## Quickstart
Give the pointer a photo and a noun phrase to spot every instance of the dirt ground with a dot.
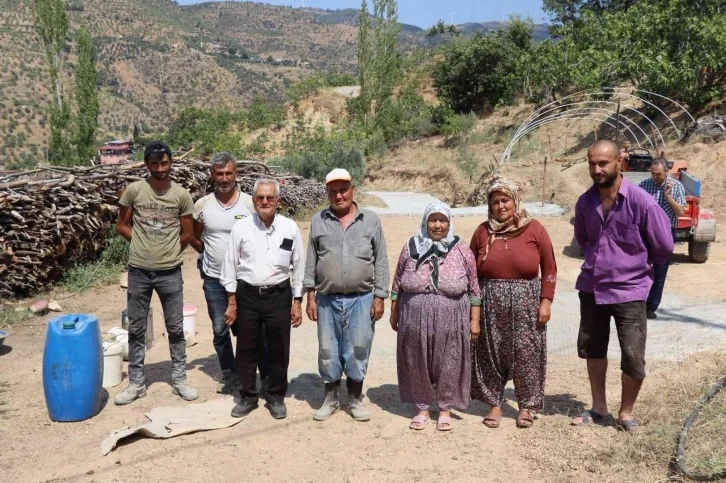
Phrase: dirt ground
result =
(35, 449)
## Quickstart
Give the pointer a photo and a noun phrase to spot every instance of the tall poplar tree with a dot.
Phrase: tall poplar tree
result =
(51, 24)
(378, 60)
(86, 98)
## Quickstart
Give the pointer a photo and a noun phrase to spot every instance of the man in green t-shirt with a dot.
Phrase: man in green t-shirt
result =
(155, 217)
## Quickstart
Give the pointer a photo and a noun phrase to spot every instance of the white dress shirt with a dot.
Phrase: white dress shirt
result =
(255, 254)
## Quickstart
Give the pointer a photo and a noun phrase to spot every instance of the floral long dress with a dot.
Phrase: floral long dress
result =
(433, 350)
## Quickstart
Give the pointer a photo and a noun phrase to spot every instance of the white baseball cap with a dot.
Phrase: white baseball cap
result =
(338, 174)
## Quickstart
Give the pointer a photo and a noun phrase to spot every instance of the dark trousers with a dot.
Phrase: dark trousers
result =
(169, 286)
(216, 297)
(263, 315)
(660, 272)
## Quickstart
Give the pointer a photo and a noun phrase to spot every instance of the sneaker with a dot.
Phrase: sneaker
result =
(130, 394)
(185, 391)
(230, 384)
(243, 408)
(651, 314)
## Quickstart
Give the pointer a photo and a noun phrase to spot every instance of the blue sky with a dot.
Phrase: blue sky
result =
(424, 13)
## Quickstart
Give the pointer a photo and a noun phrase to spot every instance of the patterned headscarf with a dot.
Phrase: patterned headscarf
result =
(521, 218)
(422, 248)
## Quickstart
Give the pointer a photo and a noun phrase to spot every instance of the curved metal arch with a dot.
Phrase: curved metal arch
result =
(506, 155)
(572, 114)
(667, 99)
(615, 90)
(611, 91)
(525, 129)
(575, 114)
(614, 111)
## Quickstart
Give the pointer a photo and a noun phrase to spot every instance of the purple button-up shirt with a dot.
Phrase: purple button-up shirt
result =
(618, 251)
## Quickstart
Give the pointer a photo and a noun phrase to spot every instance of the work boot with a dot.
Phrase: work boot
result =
(184, 391)
(130, 394)
(230, 384)
(331, 403)
(278, 410)
(243, 408)
(355, 400)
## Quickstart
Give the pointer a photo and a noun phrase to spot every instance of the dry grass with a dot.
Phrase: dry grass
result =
(670, 393)
(705, 453)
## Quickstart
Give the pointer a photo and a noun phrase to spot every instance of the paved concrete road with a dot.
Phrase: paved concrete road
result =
(414, 204)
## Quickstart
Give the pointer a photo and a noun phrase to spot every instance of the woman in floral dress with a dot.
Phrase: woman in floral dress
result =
(517, 275)
(435, 310)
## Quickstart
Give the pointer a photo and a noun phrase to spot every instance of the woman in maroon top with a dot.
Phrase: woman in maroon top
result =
(511, 251)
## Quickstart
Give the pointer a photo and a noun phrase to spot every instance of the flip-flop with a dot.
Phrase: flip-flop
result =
(419, 422)
(492, 421)
(525, 422)
(444, 423)
(628, 426)
(591, 417)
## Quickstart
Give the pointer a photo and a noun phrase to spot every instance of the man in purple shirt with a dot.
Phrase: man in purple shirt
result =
(622, 231)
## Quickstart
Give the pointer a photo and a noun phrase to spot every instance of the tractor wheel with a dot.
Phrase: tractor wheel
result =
(698, 252)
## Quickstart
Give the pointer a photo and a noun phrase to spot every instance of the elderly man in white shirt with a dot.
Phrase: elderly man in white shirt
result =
(265, 250)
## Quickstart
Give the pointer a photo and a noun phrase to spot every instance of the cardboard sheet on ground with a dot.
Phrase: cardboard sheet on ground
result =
(174, 421)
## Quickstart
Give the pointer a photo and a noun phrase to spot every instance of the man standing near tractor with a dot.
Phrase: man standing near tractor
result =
(621, 229)
(671, 196)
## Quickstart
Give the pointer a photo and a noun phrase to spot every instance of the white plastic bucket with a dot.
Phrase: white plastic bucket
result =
(112, 362)
(122, 336)
(190, 324)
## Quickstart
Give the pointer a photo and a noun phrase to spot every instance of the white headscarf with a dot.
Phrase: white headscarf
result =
(423, 249)
(423, 241)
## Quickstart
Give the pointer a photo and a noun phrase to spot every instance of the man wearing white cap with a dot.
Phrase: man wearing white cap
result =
(346, 278)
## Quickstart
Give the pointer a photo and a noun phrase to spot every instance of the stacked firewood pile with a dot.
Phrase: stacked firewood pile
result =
(54, 217)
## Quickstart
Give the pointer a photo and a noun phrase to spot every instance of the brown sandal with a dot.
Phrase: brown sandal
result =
(492, 421)
(525, 422)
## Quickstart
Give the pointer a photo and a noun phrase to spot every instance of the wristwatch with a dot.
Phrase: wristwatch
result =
(297, 299)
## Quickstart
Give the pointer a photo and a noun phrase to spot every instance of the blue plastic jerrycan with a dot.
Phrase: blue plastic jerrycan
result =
(73, 367)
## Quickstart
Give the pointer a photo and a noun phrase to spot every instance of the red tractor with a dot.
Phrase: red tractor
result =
(697, 226)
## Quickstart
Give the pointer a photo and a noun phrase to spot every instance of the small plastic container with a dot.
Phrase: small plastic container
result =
(190, 324)
(112, 362)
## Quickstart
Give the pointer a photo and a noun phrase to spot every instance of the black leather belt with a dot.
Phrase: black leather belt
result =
(265, 289)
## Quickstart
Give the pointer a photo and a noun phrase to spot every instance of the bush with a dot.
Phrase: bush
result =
(457, 127)
(477, 72)
(316, 165)
(422, 127)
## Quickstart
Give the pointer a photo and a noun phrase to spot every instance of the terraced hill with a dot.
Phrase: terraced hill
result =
(156, 57)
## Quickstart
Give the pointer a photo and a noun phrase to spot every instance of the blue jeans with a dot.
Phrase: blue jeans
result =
(660, 271)
(345, 335)
(216, 297)
(169, 286)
